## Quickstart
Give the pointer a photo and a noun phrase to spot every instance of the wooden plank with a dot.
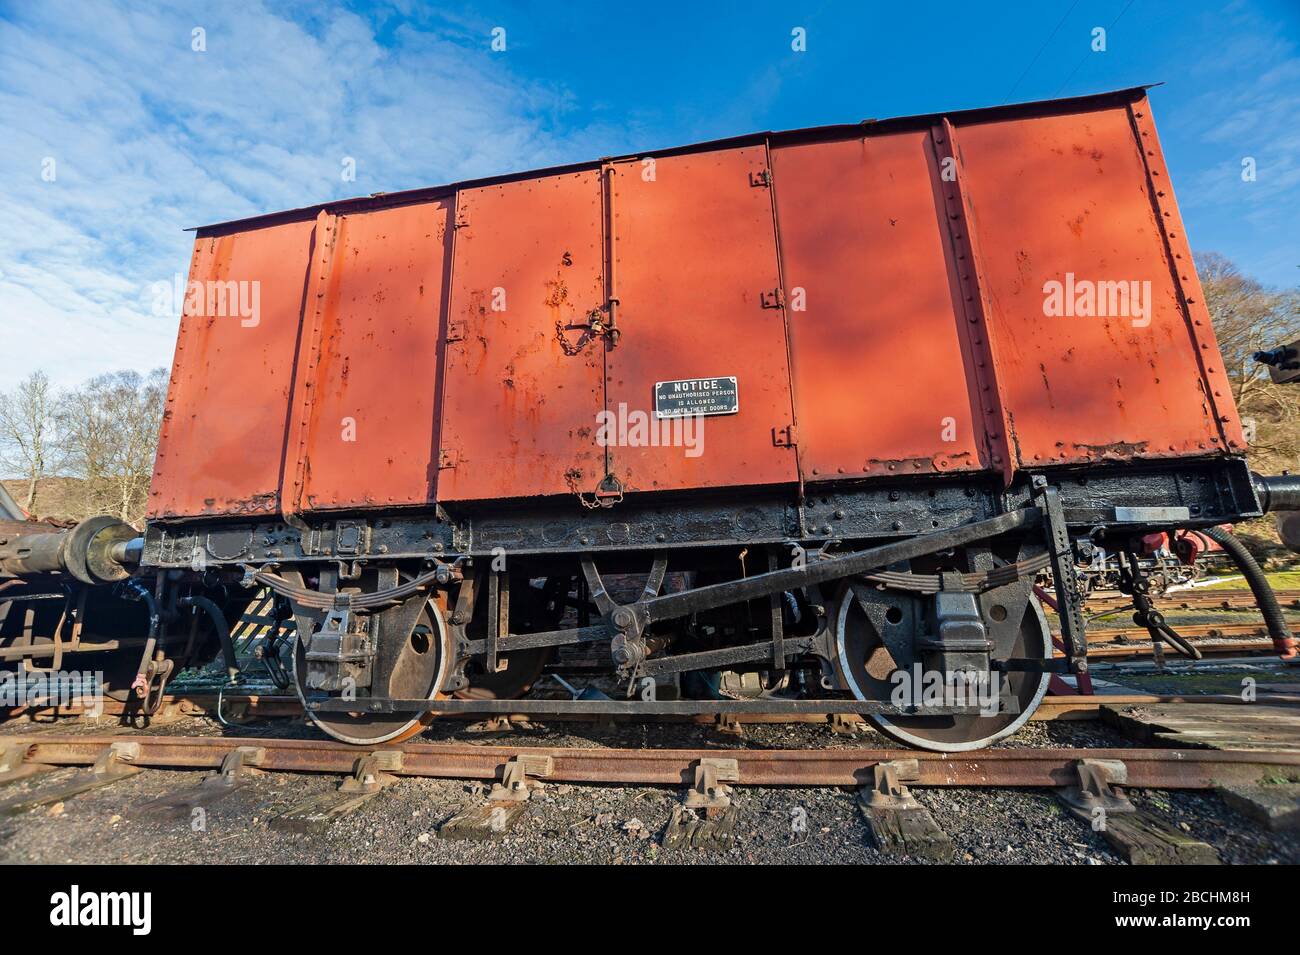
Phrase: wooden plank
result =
(1209, 725)
(181, 804)
(317, 812)
(1143, 839)
(486, 822)
(710, 832)
(1276, 805)
(24, 771)
(14, 765)
(79, 782)
(906, 831)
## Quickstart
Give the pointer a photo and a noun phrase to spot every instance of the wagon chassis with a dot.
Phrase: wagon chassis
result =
(1121, 497)
(624, 626)
(781, 600)
(834, 534)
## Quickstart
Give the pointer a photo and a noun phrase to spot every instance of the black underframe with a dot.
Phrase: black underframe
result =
(875, 525)
(1213, 492)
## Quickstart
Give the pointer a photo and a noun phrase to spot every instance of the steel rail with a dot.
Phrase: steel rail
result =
(273, 706)
(1146, 768)
(634, 707)
(1111, 650)
(1193, 631)
(1192, 600)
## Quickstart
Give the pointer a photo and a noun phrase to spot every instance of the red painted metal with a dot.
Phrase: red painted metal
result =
(694, 243)
(1188, 283)
(882, 294)
(1066, 199)
(871, 300)
(520, 413)
(223, 430)
(371, 426)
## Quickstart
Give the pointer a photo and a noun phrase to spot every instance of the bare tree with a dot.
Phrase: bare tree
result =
(27, 443)
(1249, 317)
(110, 434)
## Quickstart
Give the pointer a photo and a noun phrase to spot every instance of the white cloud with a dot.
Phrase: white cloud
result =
(150, 137)
(1251, 93)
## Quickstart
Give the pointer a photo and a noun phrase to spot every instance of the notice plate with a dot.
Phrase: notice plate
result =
(696, 396)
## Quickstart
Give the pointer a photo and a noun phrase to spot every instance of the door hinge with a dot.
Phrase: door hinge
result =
(784, 437)
(446, 458)
(455, 332)
(760, 177)
(773, 299)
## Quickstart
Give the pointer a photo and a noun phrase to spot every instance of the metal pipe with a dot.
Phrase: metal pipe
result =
(133, 589)
(32, 549)
(613, 302)
(223, 632)
(127, 552)
(99, 550)
(1286, 645)
(1279, 492)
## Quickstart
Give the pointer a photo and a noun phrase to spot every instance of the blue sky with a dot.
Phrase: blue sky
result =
(149, 136)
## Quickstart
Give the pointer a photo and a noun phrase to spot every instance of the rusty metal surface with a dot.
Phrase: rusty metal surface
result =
(1178, 254)
(371, 437)
(1229, 648)
(878, 346)
(901, 269)
(1066, 199)
(519, 414)
(1198, 600)
(1147, 768)
(223, 429)
(696, 252)
(185, 704)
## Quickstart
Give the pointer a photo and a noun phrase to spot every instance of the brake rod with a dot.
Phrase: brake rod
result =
(824, 570)
(640, 614)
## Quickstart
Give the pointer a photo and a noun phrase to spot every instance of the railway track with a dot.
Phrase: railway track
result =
(51, 767)
(1191, 600)
(1146, 768)
(257, 706)
(242, 710)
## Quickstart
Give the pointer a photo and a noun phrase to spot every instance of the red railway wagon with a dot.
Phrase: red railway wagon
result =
(832, 396)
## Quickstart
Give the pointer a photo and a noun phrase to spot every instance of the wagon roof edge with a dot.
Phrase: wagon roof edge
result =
(428, 193)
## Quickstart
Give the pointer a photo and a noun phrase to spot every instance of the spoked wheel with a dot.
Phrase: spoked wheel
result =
(416, 670)
(529, 613)
(873, 640)
(523, 668)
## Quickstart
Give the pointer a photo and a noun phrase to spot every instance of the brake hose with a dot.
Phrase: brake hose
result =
(1287, 645)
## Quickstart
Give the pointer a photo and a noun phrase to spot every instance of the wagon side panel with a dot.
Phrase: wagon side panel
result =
(223, 432)
(1095, 356)
(523, 382)
(697, 282)
(371, 437)
(879, 347)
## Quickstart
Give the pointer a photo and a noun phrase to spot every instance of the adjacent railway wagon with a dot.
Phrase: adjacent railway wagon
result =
(803, 413)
